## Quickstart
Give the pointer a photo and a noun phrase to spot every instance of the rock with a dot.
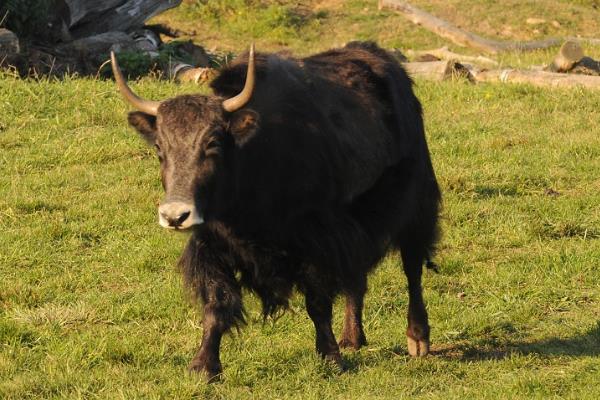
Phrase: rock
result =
(535, 21)
(10, 52)
(9, 42)
(587, 66)
(97, 44)
(147, 41)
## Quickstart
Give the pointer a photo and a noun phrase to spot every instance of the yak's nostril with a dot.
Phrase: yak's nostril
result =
(182, 217)
(176, 221)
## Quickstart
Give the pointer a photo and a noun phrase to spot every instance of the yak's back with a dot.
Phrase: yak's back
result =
(353, 106)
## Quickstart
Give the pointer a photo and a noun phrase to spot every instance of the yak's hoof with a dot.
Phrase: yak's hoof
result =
(212, 371)
(417, 347)
(353, 344)
(336, 359)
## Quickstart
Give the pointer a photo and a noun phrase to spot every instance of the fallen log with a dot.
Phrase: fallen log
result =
(182, 72)
(437, 70)
(444, 54)
(464, 38)
(538, 78)
(592, 41)
(570, 53)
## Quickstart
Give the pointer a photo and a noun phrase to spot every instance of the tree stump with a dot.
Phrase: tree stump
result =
(75, 36)
(570, 53)
(91, 17)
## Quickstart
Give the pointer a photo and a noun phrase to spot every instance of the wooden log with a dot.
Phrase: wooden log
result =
(570, 53)
(443, 53)
(539, 78)
(9, 42)
(460, 36)
(437, 70)
(182, 72)
(90, 17)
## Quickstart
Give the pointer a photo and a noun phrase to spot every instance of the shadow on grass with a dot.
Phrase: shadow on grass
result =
(495, 191)
(585, 344)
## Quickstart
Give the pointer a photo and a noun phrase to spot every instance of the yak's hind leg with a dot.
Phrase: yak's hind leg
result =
(353, 335)
(319, 305)
(320, 308)
(417, 333)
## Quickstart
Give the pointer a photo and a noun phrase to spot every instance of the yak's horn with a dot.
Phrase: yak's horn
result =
(146, 106)
(237, 102)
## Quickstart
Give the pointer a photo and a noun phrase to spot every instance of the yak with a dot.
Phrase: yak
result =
(295, 174)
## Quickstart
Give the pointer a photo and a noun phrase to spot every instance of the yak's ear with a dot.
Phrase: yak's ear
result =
(145, 124)
(243, 125)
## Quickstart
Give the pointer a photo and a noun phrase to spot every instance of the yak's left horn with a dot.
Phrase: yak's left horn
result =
(146, 106)
(239, 101)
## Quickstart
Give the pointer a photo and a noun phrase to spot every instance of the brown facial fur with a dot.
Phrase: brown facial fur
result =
(190, 138)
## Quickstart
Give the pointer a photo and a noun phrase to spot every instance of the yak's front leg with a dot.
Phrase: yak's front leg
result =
(320, 307)
(207, 359)
(214, 281)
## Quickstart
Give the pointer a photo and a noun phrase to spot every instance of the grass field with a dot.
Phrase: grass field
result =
(91, 304)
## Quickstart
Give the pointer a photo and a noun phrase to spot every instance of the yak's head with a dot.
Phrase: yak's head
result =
(194, 137)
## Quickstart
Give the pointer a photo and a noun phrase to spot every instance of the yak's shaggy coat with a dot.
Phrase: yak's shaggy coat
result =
(310, 184)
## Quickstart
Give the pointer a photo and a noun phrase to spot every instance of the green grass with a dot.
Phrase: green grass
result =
(91, 305)
(308, 26)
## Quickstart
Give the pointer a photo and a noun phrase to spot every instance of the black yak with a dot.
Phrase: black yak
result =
(296, 173)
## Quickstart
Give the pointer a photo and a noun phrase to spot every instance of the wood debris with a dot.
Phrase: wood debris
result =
(464, 38)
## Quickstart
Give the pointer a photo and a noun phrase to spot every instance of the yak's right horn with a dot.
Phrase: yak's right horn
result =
(146, 106)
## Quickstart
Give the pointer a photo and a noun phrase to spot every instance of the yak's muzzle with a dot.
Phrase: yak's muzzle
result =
(178, 215)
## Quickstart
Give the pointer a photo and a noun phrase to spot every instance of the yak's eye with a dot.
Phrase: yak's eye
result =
(212, 145)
